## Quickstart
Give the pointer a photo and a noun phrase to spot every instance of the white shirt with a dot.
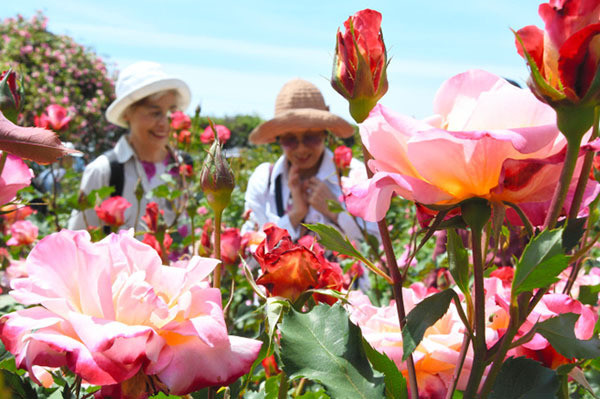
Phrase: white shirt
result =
(261, 199)
(97, 175)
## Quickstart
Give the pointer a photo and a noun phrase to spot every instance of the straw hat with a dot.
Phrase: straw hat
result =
(300, 106)
(141, 80)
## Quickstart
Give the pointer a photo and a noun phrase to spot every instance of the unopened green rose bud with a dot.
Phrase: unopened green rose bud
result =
(216, 178)
(139, 190)
(11, 93)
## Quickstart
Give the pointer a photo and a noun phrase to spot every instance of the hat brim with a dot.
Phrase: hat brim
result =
(298, 120)
(115, 112)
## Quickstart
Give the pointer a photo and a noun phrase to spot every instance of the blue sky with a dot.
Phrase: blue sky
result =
(236, 55)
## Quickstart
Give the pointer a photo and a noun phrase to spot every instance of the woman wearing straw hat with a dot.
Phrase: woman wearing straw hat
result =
(146, 96)
(296, 188)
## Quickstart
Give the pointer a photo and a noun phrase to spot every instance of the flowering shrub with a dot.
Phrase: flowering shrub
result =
(56, 70)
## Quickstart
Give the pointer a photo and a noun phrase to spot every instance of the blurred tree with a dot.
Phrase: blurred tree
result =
(56, 70)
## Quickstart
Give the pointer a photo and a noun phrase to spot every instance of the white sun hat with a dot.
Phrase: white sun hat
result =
(140, 80)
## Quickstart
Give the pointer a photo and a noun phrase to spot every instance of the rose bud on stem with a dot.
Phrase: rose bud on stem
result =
(217, 182)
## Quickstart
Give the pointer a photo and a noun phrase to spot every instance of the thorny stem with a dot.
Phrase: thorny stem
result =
(397, 288)
(461, 359)
(217, 272)
(3, 161)
(397, 284)
(479, 344)
(585, 171)
(566, 175)
(507, 338)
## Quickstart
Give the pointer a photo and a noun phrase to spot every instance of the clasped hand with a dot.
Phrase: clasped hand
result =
(308, 192)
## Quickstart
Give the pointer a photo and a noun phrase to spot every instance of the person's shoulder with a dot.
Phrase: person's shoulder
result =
(263, 169)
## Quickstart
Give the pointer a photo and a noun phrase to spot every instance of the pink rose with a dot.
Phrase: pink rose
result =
(112, 210)
(502, 144)
(342, 156)
(23, 233)
(180, 121)
(14, 176)
(56, 118)
(438, 353)
(113, 314)
(208, 135)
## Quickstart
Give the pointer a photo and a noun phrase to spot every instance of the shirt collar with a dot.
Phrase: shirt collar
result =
(123, 149)
(326, 172)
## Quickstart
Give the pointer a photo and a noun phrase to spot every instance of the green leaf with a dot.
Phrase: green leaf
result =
(588, 294)
(573, 233)
(334, 206)
(314, 395)
(542, 260)
(161, 191)
(523, 378)
(20, 386)
(330, 238)
(423, 316)
(272, 387)
(458, 260)
(395, 384)
(325, 346)
(560, 332)
(275, 308)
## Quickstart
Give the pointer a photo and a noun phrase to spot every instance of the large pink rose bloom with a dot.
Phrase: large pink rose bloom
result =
(438, 353)
(14, 176)
(487, 139)
(109, 311)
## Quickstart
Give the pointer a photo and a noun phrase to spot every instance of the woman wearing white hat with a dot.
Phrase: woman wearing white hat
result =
(146, 96)
(296, 188)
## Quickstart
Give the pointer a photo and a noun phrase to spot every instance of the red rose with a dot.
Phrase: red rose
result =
(151, 240)
(112, 211)
(288, 269)
(231, 242)
(342, 156)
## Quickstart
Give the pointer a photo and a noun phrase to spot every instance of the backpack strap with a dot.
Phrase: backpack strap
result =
(117, 173)
(278, 195)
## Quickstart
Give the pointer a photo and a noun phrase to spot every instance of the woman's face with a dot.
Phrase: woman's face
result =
(149, 121)
(303, 149)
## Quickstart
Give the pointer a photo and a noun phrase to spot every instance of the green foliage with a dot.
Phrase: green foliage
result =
(324, 346)
(395, 384)
(523, 378)
(560, 332)
(423, 316)
(56, 70)
(542, 260)
(458, 260)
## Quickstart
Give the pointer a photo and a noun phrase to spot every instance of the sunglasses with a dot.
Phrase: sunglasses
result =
(309, 140)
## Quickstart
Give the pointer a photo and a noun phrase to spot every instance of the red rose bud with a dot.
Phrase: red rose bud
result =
(359, 66)
(270, 365)
(216, 178)
(151, 216)
(11, 93)
(564, 59)
(342, 156)
(180, 121)
(112, 211)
